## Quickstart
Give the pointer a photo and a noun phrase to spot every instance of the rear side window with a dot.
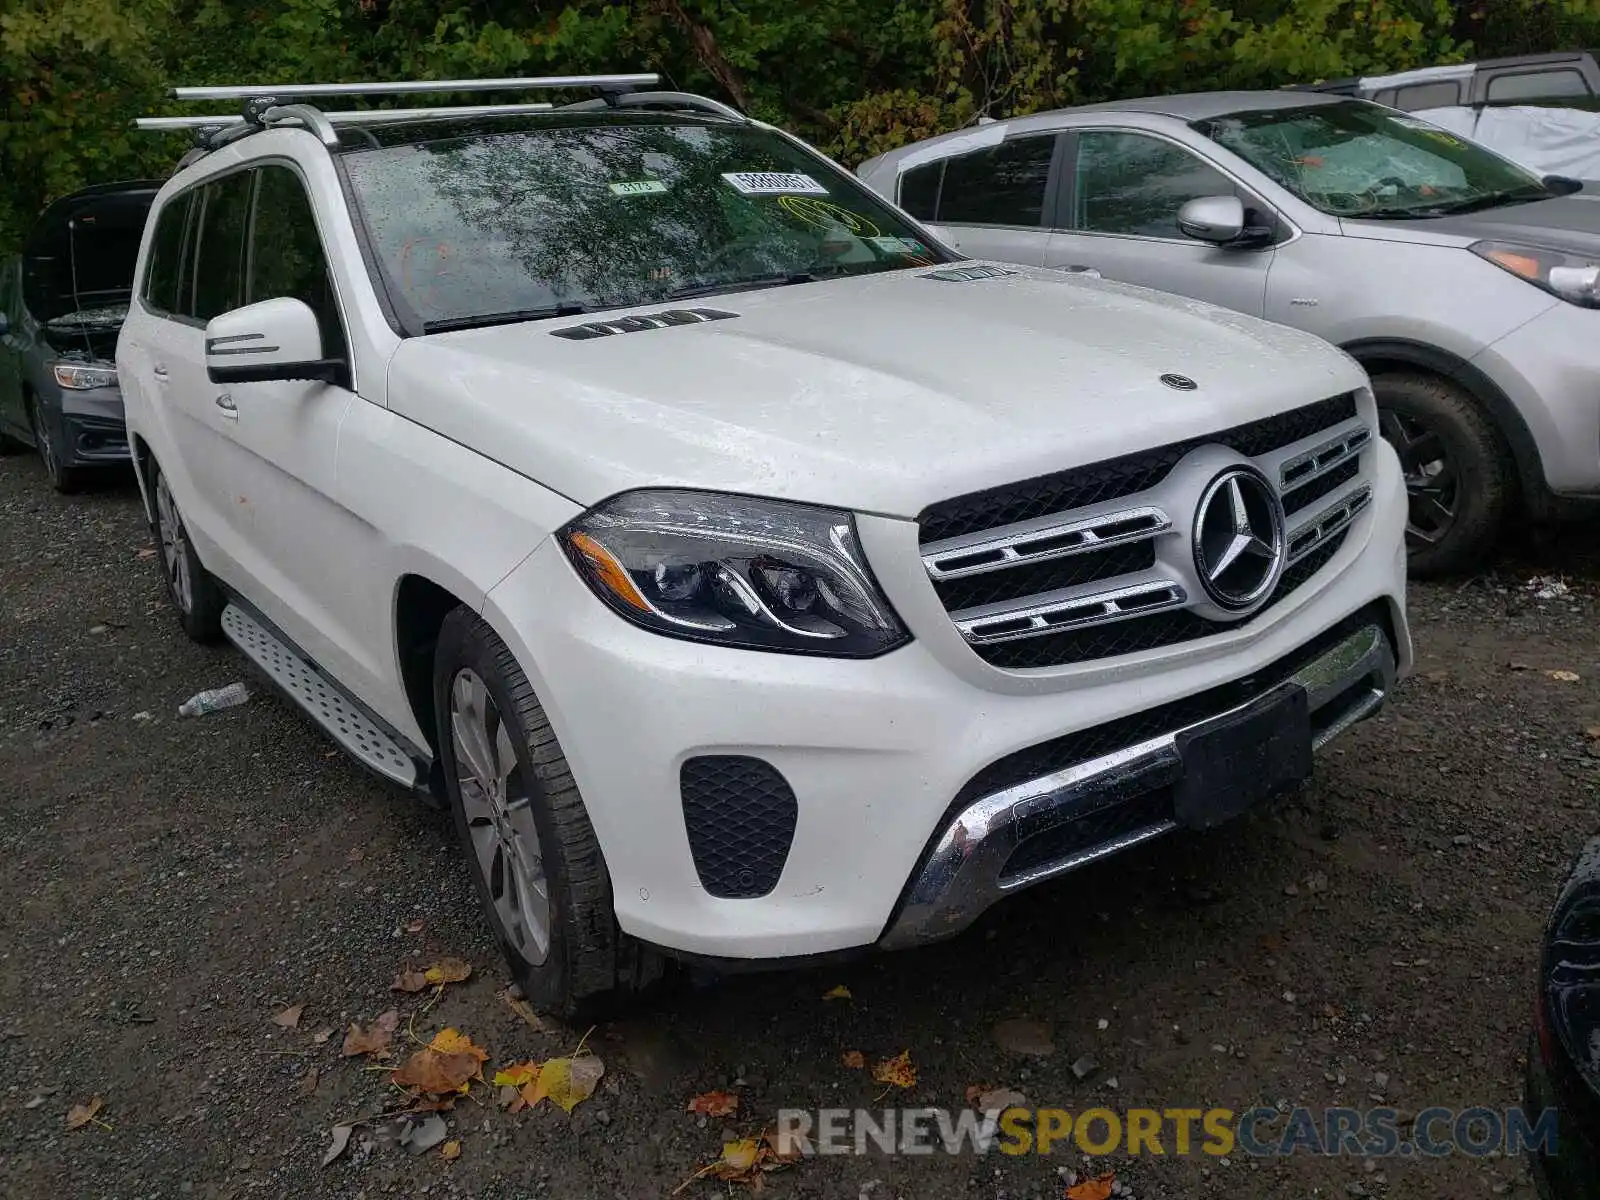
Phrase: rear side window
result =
(1428, 95)
(1536, 85)
(219, 263)
(166, 256)
(919, 190)
(999, 185)
(286, 257)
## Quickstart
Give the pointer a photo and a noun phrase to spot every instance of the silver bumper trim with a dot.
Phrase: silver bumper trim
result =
(966, 870)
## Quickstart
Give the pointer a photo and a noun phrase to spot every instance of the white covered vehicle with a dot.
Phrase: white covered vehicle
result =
(752, 578)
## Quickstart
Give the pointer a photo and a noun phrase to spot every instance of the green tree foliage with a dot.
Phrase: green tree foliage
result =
(854, 76)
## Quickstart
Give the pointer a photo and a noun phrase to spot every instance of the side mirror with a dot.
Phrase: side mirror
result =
(272, 340)
(1217, 219)
(5, 324)
(1563, 185)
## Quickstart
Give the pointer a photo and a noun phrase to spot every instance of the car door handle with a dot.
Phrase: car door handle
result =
(230, 410)
(159, 372)
(1082, 269)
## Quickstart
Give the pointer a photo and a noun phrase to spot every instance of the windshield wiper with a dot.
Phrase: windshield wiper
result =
(1455, 208)
(567, 308)
(689, 291)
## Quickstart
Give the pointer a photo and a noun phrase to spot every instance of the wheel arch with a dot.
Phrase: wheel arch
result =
(1378, 355)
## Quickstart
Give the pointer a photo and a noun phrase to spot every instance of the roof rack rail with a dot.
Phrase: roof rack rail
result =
(269, 105)
(658, 100)
(365, 116)
(410, 87)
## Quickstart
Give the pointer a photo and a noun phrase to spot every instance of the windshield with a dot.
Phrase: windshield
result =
(1354, 159)
(545, 222)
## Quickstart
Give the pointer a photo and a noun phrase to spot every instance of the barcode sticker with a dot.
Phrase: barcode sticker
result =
(774, 183)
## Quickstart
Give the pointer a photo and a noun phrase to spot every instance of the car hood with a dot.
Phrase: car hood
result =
(1569, 223)
(881, 393)
(78, 256)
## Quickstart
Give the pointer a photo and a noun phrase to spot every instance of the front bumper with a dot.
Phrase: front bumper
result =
(93, 429)
(1550, 370)
(1045, 827)
(876, 752)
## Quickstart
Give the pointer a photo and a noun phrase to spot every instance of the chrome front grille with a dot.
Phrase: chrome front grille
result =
(1090, 563)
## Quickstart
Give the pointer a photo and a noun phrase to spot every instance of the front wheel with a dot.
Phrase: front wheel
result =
(63, 478)
(1459, 478)
(533, 855)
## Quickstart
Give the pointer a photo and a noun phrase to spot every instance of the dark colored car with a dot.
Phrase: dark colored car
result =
(1564, 1060)
(62, 303)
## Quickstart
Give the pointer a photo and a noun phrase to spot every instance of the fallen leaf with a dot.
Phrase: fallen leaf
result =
(289, 1018)
(896, 1071)
(524, 1010)
(447, 970)
(308, 1085)
(1020, 1036)
(147, 552)
(80, 1115)
(450, 1151)
(714, 1104)
(340, 1139)
(355, 855)
(516, 1075)
(409, 981)
(1514, 665)
(994, 1099)
(375, 1038)
(1098, 1188)
(839, 993)
(421, 1136)
(1564, 676)
(321, 1036)
(1593, 731)
(566, 1081)
(448, 1064)
(854, 1059)
(738, 1160)
(448, 1041)
(414, 926)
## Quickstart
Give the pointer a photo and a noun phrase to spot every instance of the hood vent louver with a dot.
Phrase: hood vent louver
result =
(638, 324)
(968, 274)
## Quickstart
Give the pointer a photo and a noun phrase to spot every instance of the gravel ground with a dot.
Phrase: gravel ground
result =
(170, 885)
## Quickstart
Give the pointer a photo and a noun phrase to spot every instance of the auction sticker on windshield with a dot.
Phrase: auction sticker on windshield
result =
(774, 183)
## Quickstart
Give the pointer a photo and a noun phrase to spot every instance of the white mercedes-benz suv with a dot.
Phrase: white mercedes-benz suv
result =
(752, 577)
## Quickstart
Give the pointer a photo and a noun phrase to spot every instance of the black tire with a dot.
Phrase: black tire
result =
(590, 966)
(201, 614)
(63, 478)
(1460, 481)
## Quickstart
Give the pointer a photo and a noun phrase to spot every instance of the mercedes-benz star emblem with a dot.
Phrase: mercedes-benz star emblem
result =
(1239, 541)
(1180, 383)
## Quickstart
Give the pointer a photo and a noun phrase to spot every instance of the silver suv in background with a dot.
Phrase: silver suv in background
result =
(1463, 283)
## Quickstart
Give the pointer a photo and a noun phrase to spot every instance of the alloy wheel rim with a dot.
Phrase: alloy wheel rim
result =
(174, 545)
(1433, 485)
(497, 804)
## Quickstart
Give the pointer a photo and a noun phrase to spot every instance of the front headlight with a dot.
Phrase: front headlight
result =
(735, 570)
(79, 378)
(1573, 277)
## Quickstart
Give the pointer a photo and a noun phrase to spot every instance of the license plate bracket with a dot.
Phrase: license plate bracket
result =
(1246, 758)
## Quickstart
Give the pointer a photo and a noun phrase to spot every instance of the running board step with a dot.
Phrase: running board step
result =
(354, 730)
